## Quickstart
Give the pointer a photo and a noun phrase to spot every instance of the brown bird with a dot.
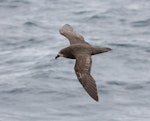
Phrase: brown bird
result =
(80, 50)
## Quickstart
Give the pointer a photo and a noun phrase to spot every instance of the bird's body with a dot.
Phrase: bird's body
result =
(80, 50)
(75, 49)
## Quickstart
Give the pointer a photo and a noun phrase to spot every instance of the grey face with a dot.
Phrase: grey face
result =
(59, 55)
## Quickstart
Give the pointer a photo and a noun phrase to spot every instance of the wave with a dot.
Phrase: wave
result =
(141, 23)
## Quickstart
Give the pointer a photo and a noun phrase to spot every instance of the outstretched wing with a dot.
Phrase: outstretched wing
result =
(82, 69)
(73, 37)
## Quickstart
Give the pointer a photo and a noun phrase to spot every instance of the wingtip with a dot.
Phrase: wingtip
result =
(66, 27)
(109, 49)
(96, 98)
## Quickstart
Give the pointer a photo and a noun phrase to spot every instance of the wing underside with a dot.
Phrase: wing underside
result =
(82, 69)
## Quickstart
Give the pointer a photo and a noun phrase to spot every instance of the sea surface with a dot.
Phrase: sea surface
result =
(36, 87)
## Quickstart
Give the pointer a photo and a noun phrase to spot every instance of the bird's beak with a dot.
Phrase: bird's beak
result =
(57, 56)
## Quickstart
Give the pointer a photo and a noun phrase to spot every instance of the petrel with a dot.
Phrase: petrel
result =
(82, 51)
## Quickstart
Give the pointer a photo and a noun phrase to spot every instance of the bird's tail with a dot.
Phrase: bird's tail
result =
(97, 50)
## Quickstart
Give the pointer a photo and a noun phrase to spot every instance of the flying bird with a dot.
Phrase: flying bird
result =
(82, 51)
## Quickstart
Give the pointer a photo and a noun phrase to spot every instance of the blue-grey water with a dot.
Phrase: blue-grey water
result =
(35, 87)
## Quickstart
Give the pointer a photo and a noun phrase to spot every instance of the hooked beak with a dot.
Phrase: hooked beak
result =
(57, 56)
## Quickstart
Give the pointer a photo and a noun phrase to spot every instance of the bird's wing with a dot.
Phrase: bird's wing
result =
(82, 69)
(72, 36)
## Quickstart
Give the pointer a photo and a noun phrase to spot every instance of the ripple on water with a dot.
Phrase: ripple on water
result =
(13, 4)
(141, 23)
(16, 91)
(124, 45)
(117, 83)
(134, 87)
(30, 23)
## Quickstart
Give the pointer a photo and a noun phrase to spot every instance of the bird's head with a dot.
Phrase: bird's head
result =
(60, 54)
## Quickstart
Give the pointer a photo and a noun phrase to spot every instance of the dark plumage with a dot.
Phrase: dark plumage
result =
(80, 50)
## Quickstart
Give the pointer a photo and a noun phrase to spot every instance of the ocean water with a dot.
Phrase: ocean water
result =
(36, 87)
